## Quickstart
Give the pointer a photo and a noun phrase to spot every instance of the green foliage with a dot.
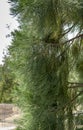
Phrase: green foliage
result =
(42, 57)
(6, 83)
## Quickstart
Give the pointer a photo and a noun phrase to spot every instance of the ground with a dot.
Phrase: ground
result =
(8, 114)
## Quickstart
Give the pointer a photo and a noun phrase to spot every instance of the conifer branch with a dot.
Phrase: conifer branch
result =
(81, 92)
(75, 85)
(68, 30)
(78, 36)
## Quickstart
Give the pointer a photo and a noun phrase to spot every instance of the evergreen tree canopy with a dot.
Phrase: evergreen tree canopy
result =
(44, 58)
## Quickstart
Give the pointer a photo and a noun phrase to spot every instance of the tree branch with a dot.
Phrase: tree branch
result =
(79, 36)
(81, 92)
(75, 85)
(68, 30)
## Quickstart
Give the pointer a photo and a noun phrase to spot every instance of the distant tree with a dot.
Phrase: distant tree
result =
(6, 83)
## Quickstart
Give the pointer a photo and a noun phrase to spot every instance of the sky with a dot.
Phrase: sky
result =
(7, 24)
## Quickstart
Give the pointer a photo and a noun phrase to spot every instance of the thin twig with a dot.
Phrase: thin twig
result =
(81, 92)
(68, 30)
(78, 36)
(75, 83)
(75, 86)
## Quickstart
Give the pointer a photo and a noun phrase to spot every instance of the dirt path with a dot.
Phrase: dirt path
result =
(7, 128)
(8, 114)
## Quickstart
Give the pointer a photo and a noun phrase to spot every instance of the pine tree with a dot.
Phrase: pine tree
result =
(43, 58)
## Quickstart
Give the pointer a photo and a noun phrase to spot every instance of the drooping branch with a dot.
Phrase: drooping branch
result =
(78, 36)
(68, 103)
(68, 30)
(81, 92)
(53, 44)
(72, 100)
